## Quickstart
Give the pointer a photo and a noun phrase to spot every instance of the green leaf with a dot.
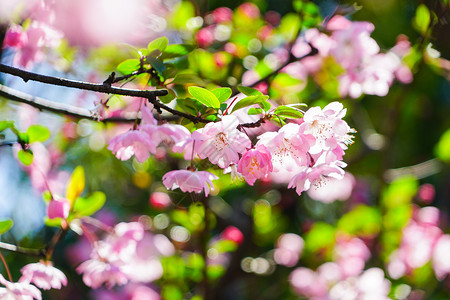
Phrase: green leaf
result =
(156, 63)
(167, 98)
(90, 205)
(5, 125)
(129, 66)
(255, 111)
(251, 100)
(288, 112)
(188, 78)
(215, 271)
(289, 26)
(248, 91)
(25, 157)
(361, 221)
(56, 222)
(37, 133)
(223, 246)
(222, 94)
(204, 96)
(422, 18)
(442, 149)
(76, 184)
(5, 225)
(176, 50)
(158, 44)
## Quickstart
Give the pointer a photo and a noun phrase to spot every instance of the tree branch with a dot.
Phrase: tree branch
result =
(95, 87)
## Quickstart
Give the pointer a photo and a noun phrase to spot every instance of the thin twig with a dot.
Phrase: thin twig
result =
(21, 250)
(6, 267)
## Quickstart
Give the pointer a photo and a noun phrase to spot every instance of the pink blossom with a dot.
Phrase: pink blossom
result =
(97, 272)
(316, 176)
(18, 290)
(369, 285)
(233, 234)
(59, 208)
(327, 127)
(222, 14)
(440, 261)
(159, 200)
(288, 146)
(334, 189)
(205, 37)
(306, 282)
(43, 275)
(134, 142)
(14, 36)
(426, 193)
(255, 163)
(189, 181)
(351, 255)
(221, 142)
(288, 250)
(249, 10)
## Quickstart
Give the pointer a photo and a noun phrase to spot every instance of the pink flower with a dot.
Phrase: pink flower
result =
(440, 261)
(97, 272)
(221, 142)
(58, 209)
(14, 36)
(159, 200)
(18, 290)
(327, 127)
(222, 14)
(189, 181)
(288, 146)
(205, 37)
(255, 163)
(43, 275)
(351, 255)
(308, 283)
(288, 250)
(134, 142)
(334, 189)
(316, 176)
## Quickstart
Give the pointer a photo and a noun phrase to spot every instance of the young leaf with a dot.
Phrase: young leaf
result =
(255, 111)
(188, 78)
(129, 66)
(204, 96)
(422, 18)
(37, 133)
(158, 44)
(288, 112)
(6, 124)
(222, 93)
(90, 205)
(176, 50)
(5, 225)
(156, 63)
(248, 91)
(251, 100)
(25, 157)
(76, 184)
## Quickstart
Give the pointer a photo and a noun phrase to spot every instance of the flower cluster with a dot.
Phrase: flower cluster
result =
(310, 152)
(422, 241)
(42, 274)
(366, 70)
(127, 254)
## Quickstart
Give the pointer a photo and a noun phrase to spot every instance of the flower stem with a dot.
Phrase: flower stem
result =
(6, 267)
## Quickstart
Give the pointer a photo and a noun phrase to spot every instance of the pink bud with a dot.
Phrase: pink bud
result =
(159, 200)
(233, 234)
(222, 14)
(204, 37)
(426, 193)
(58, 209)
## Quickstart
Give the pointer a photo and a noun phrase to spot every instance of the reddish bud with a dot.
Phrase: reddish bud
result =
(233, 234)
(159, 200)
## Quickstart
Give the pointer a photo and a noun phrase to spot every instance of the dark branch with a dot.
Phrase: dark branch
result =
(96, 87)
(59, 108)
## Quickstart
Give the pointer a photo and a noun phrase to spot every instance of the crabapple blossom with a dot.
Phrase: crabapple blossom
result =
(159, 200)
(334, 189)
(18, 290)
(221, 142)
(308, 283)
(189, 181)
(255, 163)
(43, 275)
(97, 272)
(315, 176)
(134, 142)
(351, 255)
(288, 146)
(233, 234)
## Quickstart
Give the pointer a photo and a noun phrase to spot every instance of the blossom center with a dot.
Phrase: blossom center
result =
(220, 141)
